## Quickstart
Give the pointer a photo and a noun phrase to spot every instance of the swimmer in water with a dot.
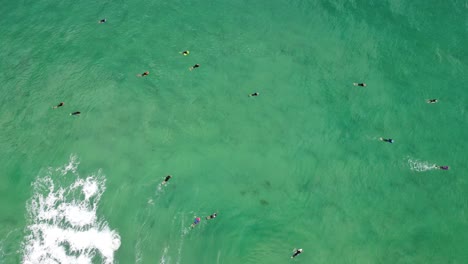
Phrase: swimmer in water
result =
(443, 167)
(296, 252)
(211, 216)
(102, 21)
(196, 221)
(360, 84)
(431, 101)
(59, 105)
(194, 66)
(185, 52)
(146, 73)
(168, 177)
(76, 113)
(254, 94)
(389, 140)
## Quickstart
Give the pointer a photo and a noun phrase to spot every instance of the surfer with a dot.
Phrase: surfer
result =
(443, 167)
(59, 105)
(168, 177)
(389, 140)
(431, 101)
(296, 252)
(102, 21)
(360, 84)
(196, 221)
(254, 94)
(194, 66)
(76, 113)
(211, 216)
(185, 52)
(146, 73)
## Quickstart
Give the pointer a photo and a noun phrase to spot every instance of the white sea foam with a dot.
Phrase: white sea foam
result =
(420, 166)
(183, 232)
(164, 258)
(63, 226)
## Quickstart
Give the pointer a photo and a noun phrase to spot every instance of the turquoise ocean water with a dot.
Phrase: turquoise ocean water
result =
(300, 166)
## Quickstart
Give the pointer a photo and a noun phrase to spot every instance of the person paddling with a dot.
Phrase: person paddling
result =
(211, 216)
(59, 105)
(168, 177)
(296, 252)
(196, 221)
(388, 140)
(146, 73)
(194, 66)
(360, 84)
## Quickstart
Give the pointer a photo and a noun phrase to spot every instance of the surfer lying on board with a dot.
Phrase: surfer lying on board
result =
(431, 101)
(76, 113)
(389, 140)
(102, 21)
(185, 52)
(194, 66)
(443, 167)
(360, 84)
(296, 252)
(211, 216)
(146, 73)
(254, 94)
(168, 177)
(59, 105)
(196, 221)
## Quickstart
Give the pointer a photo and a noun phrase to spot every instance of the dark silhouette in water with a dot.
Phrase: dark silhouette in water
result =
(432, 101)
(76, 113)
(211, 216)
(389, 140)
(194, 66)
(168, 177)
(59, 105)
(360, 84)
(443, 167)
(146, 73)
(254, 94)
(296, 252)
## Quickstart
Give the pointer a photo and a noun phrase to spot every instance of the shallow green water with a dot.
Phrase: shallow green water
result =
(298, 166)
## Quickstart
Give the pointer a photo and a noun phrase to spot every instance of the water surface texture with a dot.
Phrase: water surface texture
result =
(299, 166)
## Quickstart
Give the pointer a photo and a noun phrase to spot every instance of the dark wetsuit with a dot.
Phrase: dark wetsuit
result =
(196, 66)
(388, 140)
(361, 84)
(167, 178)
(76, 113)
(254, 94)
(297, 252)
(211, 216)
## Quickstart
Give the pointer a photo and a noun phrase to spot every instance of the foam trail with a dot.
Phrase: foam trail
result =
(420, 166)
(182, 236)
(164, 257)
(138, 253)
(63, 226)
